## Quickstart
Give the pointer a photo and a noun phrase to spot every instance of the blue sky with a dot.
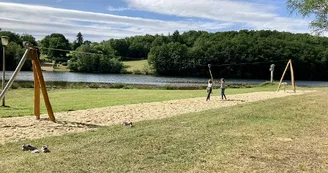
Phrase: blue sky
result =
(104, 19)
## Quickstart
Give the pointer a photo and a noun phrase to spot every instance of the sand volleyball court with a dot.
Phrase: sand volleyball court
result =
(20, 128)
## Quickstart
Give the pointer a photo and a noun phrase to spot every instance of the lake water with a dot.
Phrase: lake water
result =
(140, 79)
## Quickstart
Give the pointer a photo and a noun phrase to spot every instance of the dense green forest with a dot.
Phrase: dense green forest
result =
(233, 54)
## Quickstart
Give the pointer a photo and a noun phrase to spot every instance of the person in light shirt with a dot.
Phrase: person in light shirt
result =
(209, 89)
(222, 82)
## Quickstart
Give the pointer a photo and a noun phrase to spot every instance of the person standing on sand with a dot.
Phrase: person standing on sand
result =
(222, 82)
(209, 84)
(209, 89)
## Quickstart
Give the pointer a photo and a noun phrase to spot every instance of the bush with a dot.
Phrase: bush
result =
(14, 86)
(96, 62)
(27, 85)
(118, 85)
(94, 85)
(136, 72)
(266, 84)
(146, 69)
(169, 87)
(128, 87)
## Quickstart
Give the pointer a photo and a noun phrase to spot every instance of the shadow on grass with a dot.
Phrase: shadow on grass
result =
(234, 100)
(77, 124)
(72, 123)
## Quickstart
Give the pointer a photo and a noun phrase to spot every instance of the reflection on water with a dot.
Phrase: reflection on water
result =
(138, 79)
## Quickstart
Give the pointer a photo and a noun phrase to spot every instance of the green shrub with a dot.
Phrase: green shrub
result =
(136, 72)
(128, 87)
(14, 86)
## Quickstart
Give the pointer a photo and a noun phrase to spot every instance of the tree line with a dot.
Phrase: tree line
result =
(249, 54)
(244, 53)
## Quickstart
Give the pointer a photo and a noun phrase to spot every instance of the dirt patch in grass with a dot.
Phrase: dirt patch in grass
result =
(21, 128)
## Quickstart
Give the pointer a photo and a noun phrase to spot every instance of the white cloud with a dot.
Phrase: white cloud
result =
(41, 19)
(253, 15)
(219, 14)
(110, 8)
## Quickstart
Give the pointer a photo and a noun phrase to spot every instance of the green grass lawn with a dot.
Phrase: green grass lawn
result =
(136, 66)
(21, 100)
(279, 135)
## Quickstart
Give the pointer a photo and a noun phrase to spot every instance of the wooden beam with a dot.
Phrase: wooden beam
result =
(36, 90)
(43, 87)
(283, 75)
(292, 75)
(209, 69)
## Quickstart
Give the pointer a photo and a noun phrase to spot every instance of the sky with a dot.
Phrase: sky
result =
(100, 20)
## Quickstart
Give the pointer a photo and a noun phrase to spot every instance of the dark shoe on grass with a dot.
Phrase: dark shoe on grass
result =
(126, 123)
(45, 149)
(28, 147)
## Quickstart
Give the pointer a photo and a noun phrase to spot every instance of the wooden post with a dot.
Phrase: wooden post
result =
(283, 75)
(36, 89)
(292, 76)
(291, 73)
(209, 68)
(43, 87)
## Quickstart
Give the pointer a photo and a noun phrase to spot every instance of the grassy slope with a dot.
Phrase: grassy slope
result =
(47, 66)
(278, 135)
(135, 65)
(21, 100)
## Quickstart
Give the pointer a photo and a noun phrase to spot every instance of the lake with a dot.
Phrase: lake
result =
(141, 79)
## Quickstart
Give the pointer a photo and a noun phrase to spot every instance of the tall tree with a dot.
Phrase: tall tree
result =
(318, 8)
(55, 42)
(79, 39)
(120, 46)
(29, 38)
(176, 37)
(78, 42)
(87, 42)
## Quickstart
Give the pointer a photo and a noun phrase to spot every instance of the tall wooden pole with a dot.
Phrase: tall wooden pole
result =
(36, 88)
(292, 76)
(43, 87)
(283, 75)
(209, 68)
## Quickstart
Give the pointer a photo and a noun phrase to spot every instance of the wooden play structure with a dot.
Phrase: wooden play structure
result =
(289, 64)
(32, 54)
